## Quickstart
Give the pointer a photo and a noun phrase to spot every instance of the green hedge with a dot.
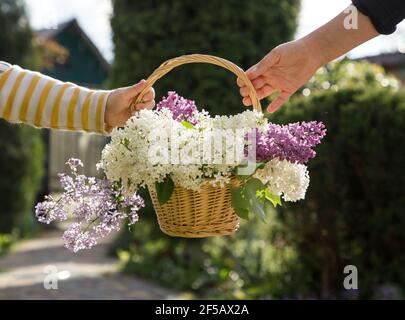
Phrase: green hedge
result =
(21, 147)
(148, 32)
(354, 210)
(21, 169)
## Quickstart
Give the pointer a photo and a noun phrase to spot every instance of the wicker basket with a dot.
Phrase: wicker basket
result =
(207, 213)
(192, 214)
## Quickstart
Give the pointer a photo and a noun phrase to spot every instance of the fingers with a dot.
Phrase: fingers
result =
(262, 93)
(280, 100)
(265, 92)
(145, 105)
(247, 101)
(148, 100)
(133, 91)
(240, 82)
(257, 84)
(259, 81)
(257, 70)
(149, 96)
(267, 62)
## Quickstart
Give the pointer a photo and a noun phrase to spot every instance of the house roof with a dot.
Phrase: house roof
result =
(50, 34)
(388, 60)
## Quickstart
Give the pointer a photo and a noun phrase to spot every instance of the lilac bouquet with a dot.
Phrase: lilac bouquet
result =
(101, 206)
(98, 207)
(281, 153)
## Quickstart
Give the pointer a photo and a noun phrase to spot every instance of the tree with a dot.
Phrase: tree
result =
(22, 150)
(148, 32)
(16, 34)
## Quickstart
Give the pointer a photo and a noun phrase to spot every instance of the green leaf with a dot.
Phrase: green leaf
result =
(275, 200)
(164, 190)
(259, 165)
(253, 198)
(187, 125)
(255, 184)
(268, 207)
(243, 213)
(252, 190)
(239, 203)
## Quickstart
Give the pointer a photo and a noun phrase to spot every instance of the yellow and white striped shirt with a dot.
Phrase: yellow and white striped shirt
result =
(32, 98)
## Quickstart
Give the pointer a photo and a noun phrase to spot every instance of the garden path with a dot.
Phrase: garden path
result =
(89, 275)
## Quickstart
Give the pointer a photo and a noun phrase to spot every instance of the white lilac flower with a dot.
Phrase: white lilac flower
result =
(291, 180)
(127, 157)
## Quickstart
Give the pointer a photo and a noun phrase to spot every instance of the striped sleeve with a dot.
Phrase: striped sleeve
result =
(3, 66)
(32, 98)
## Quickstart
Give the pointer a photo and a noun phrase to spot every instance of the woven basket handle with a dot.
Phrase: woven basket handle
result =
(169, 65)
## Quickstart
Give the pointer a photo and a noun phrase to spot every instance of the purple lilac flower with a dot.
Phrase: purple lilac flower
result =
(292, 142)
(76, 239)
(98, 207)
(50, 210)
(182, 109)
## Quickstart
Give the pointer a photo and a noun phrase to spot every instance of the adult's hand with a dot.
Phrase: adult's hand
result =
(289, 66)
(285, 69)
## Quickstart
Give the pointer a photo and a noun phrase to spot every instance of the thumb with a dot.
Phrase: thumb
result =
(136, 89)
(267, 62)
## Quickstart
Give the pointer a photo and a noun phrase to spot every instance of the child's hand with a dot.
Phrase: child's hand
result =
(118, 109)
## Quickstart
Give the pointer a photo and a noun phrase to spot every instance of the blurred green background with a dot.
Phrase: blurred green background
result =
(354, 211)
(22, 151)
(147, 33)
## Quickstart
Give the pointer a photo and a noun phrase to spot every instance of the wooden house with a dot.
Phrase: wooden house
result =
(393, 63)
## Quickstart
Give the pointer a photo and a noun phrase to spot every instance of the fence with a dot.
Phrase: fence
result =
(64, 145)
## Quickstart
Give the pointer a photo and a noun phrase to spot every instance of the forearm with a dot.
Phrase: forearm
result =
(334, 39)
(32, 98)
